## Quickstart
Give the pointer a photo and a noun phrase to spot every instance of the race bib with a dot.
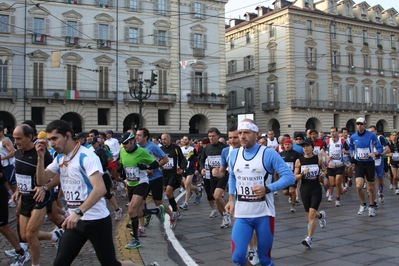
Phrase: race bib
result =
(363, 153)
(316, 150)
(395, 156)
(335, 163)
(132, 173)
(290, 165)
(245, 185)
(24, 183)
(169, 165)
(214, 161)
(313, 171)
(74, 191)
(336, 155)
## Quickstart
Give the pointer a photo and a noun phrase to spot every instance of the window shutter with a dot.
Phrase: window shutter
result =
(275, 92)
(74, 78)
(47, 22)
(307, 94)
(203, 11)
(339, 58)
(64, 25)
(252, 61)
(41, 75)
(306, 54)
(315, 54)
(169, 38)
(110, 3)
(268, 94)
(156, 7)
(316, 94)
(168, 7)
(191, 40)
(235, 66)
(141, 35)
(192, 82)
(96, 31)
(139, 6)
(155, 35)
(205, 81)
(12, 24)
(80, 29)
(111, 32)
(355, 94)
(204, 41)
(106, 80)
(30, 24)
(127, 4)
(97, 3)
(244, 60)
(127, 34)
(69, 75)
(192, 9)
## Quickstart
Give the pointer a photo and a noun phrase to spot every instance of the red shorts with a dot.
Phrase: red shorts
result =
(113, 165)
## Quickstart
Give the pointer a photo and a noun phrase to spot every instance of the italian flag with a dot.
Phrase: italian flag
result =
(71, 94)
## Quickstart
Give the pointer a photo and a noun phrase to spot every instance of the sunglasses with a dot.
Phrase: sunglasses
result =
(394, 133)
(360, 124)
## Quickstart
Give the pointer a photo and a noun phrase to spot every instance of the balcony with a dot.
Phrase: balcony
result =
(71, 41)
(271, 106)
(70, 95)
(351, 69)
(381, 73)
(395, 74)
(207, 99)
(38, 38)
(272, 67)
(103, 44)
(155, 98)
(312, 65)
(9, 94)
(366, 71)
(342, 106)
(199, 52)
(335, 67)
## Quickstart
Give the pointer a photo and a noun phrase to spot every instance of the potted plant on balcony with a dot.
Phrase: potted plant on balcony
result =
(202, 95)
(56, 95)
(188, 94)
(213, 95)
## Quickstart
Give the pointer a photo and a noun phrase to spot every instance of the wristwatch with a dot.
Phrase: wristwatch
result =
(45, 188)
(79, 212)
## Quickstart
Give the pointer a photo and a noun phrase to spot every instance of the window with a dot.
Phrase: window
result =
(199, 83)
(272, 30)
(311, 54)
(162, 38)
(309, 27)
(334, 60)
(38, 25)
(3, 75)
(102, 116)
(394, 96)
(350, 59)
(364, 36)
(248, 62)
(198, 10)
(162, 81)
(349, 34)
(198, 40)
(333, 35)
(366, 61)
(134, 5)
(351, 93)
(390, 19)
(363, 12)
(37, 114)
(249, 99)
(103, 82)
(380, 95)
(347, 10)
(231, 43)
(247, 37)
(71, 77)
(71, 28)
(232, 99)
(377, 15)
(4, 23)
(393, 64)
(38, 79)
(378, 38)
(162, 7)
(366, 94)
(380, 63)
(103, 32)
(133, 35)
(312, 90)
(335, 90)
(331, 6)
(272, 92)
(103, 3)
(231, 67)
(393, 42)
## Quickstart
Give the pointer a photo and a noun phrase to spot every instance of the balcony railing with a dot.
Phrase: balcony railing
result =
(395, 74)
(103, 44)
(312, 65)
(10, 94)
(269, 106)
(272, 67)
(351, 69)
(366, 71)
(155, 98)
(335, 67)
(339, 106)
(71, 41)
(38, 38)
(381, 72)
(207, 99)
(198, 52)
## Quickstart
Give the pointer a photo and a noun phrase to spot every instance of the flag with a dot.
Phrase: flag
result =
(69, 94)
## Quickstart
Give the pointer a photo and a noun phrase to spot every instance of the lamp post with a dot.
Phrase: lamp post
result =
(136, 92)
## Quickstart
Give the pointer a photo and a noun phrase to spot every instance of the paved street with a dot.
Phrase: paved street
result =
(348, 239)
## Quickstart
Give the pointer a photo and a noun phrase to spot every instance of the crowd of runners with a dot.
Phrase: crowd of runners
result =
(66, 178)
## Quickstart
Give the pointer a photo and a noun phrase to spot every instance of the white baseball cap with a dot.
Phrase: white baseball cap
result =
(361, 120)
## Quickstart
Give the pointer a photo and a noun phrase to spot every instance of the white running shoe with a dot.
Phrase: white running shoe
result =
(12, 253)
(12, 204)
(307, 242)
(362, 209)
(253, 257)
(118, 214)
(19, 260)
(322, 220)
(226, 221)
(397, 192)
(293, 209)
(390, 186)
(337, 203)
(371, 211)
(329, 198)
(213, 214)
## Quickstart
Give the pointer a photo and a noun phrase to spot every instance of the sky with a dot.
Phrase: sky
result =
(236, 8)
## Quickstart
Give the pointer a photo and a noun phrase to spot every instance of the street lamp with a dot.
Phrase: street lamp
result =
(136, 92)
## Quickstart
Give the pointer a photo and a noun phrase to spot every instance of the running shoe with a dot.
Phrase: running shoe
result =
(12, 204)
(147, 219)
(396, 191)
(118, 214)
(293, 209)
(307, 242)
(182, 190)
(184, 206)
(289, 200)
(200, 191)
(161, 213)
(298, 200)
(129, 224)
(253, 257)
(329, 198)
(120, 186)
(142, 232)
(371, 211)
(173, 220)
(58, 233)
(213, 214)
(226, 221)
(19, 260)
(133, 244)
(362, 209)
(337, 203)
(349, 182)
(344, 190)
(390, 186)
(322, 220)
(197, 200)
(381, 198)
(12, 253)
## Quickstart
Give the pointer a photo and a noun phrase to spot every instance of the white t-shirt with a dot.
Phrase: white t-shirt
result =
(114, 147)
(75, 183)
(272, 143)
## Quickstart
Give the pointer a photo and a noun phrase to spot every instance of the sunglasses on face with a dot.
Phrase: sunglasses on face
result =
(361, 124)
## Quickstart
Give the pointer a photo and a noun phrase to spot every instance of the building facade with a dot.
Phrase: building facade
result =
(314, 65)
(72, 60)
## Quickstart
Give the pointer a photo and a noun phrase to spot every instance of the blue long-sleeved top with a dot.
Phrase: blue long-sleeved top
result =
(272, 161)
(361, 145)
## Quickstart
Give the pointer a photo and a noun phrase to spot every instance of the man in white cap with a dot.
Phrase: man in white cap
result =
(363, 155)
